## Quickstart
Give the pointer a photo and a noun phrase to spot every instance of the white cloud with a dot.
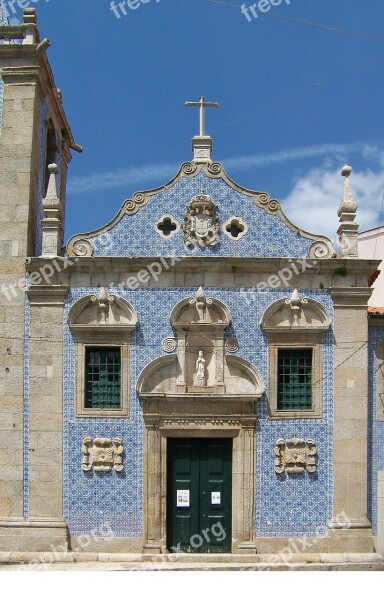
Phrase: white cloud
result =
(313, 202)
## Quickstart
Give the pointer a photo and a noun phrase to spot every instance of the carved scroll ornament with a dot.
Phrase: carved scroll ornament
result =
(102, 454)
(295, 456)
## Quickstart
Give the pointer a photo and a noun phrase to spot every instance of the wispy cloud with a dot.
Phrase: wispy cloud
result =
(339, 151)
(147, 174)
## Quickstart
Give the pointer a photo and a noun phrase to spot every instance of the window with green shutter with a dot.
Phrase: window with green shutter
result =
(103, 378)
(294, 391)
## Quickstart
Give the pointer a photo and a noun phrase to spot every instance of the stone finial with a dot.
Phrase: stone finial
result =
(201, 302)
(347, 231)
(51, 199)
(296, 303)
(31, 35)
(104, 300)
(30, 16)
(51, 224)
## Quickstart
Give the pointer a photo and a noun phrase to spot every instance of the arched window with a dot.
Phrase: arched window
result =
(50, 153)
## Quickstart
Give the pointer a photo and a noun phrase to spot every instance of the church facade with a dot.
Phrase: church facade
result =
(198, 376)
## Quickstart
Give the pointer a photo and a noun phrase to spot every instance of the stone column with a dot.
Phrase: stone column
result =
(350, 527)
(45, 418)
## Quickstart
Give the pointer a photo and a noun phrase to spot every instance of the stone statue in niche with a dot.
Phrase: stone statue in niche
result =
(200, 379)
(201, 227)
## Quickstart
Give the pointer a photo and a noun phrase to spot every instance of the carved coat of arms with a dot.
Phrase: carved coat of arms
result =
(201, 223)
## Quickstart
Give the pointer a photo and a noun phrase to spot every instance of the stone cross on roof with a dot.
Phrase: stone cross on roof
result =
(202, 104)
(202, 144)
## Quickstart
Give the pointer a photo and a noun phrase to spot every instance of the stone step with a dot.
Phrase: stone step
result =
(188, 567)
(194, 561)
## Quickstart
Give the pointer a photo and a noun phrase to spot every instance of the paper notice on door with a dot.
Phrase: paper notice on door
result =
(182, 498)
(215, 497)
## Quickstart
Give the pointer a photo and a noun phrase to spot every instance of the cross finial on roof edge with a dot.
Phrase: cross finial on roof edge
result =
(202, 144)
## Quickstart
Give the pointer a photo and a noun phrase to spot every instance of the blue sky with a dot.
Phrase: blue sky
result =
(296, 102)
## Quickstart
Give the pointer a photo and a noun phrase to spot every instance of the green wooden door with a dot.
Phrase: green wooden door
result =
(199, 495)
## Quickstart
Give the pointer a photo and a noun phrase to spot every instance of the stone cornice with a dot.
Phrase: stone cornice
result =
(335, 266)
(47, 295)
(37, 70)
(349, 297)
(206, 397)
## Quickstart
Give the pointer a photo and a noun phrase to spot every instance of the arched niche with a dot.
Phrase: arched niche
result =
(200, 323)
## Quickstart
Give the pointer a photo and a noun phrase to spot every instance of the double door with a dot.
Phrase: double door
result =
(199, 495)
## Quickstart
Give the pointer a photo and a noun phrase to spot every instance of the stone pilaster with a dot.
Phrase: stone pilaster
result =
(45, 418)
(154, 515)
(350, 527)
(244, 495)
(18, 185)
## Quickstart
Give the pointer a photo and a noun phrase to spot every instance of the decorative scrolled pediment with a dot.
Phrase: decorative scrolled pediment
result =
(105, 312)
(200, 312)
(297, 313)
(241, 379)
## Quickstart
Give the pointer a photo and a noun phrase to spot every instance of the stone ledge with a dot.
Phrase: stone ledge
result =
(193, 567)
(156, 561)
